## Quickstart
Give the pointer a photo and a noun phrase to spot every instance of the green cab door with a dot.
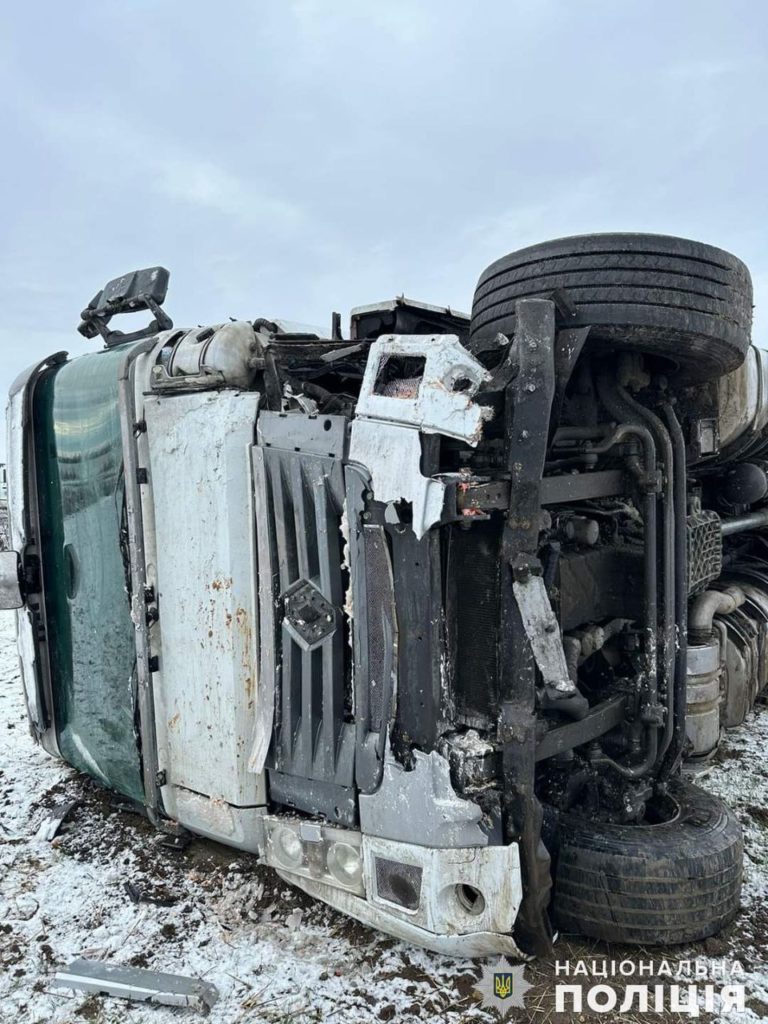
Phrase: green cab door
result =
(84, 556)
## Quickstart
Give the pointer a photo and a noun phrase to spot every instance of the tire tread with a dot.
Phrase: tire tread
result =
(688, 302)
(676, 882)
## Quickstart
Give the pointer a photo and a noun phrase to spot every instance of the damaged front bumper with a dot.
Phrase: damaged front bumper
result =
(456, 901)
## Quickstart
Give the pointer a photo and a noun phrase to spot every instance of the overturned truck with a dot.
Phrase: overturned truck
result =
(433, 618)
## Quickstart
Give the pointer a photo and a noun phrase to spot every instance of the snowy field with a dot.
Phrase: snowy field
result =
(274, 955)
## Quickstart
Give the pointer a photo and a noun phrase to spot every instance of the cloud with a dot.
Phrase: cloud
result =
(698, 70)
(179, 173)
(403, 21)
(186, 178)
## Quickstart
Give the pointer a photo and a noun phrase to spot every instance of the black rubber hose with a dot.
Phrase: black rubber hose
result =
(749, 521)
(675, 750)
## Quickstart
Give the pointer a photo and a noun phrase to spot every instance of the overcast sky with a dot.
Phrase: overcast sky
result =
(293, 157)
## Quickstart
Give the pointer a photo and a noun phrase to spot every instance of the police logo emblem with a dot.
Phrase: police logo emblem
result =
(502, 987)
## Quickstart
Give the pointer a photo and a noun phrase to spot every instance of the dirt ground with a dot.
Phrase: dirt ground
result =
(107, 888)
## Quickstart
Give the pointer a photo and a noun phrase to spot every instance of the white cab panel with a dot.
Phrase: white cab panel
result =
(204, 554)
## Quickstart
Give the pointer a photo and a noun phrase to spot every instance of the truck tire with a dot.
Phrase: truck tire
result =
(655, 884)
(684, 301)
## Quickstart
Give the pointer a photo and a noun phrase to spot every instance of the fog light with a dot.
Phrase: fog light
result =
(344, 864)
(470, 899)
(287, 848)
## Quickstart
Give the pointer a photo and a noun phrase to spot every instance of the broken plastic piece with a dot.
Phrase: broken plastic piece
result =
(543, 632)
(433, 389)
(50, 827)
(138, 984)
(415, 384)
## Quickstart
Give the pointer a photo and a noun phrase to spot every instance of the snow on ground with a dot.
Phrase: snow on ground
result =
(275, 955)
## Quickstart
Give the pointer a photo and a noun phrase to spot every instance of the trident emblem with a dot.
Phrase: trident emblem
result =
(502, 985)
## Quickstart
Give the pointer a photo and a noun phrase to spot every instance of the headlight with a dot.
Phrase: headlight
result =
(313, 849)
(344, 863)
(287, 847)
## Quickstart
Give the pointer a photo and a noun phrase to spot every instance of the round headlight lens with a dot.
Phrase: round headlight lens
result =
(287, 847)
(344, 863)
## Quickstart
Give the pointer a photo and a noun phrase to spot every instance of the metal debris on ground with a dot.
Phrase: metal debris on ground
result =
(137, 895)
(50, 827)
(138, 984)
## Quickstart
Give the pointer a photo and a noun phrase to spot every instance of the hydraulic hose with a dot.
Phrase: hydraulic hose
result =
(709, 604)
(749, 521)
(669, 582)
(617, 408)
(675, 747)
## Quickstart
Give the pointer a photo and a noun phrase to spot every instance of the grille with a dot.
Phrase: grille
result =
(299, 489)
(398, 883)
(705, 550)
